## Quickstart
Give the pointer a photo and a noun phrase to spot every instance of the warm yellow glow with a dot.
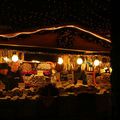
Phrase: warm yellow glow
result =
(110, 70)
(6, 59)
(54, 28)
(60, 60)
(35, 61)
(79, 61)
(15, 58)
(100, 62)
(96, 62)
(105, 68)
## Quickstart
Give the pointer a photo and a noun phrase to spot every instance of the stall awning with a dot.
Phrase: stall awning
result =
(64, 40)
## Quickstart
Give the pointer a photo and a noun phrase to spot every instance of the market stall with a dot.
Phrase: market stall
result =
(72, 61)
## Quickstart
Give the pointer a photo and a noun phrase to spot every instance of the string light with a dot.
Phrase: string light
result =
(54, 28)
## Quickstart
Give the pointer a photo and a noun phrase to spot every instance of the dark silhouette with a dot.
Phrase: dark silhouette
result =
(80, 75)
(49, 90)
(8, 78)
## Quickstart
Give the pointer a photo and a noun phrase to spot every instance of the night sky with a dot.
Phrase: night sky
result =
(18, 15)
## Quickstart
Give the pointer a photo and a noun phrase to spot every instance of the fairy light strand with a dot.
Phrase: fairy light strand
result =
(11, 35)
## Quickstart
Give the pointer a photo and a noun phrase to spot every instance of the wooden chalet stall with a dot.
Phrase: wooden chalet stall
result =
(69, 43)
(56, 56)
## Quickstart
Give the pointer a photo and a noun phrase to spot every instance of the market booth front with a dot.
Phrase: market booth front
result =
(65, 72)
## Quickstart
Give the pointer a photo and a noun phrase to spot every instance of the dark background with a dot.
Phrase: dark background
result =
(19, 15)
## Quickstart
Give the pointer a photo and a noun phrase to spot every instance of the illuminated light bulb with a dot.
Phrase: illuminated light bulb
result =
(15, 58)
(79, 61)
(96, 62)
(60, 60)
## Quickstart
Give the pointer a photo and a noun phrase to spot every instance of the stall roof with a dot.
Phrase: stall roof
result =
(61, 38)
